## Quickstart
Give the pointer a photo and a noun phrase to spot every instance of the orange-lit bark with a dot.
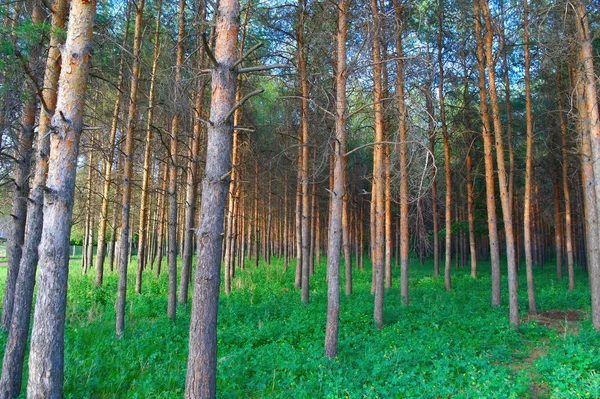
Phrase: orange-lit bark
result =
(378, 170)
(489, 161)
(502, 175)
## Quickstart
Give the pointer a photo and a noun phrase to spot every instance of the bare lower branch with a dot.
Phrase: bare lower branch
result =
(247, 54)
(263, 68)
(34, 81)
(208, 50)
(241, 102)
(244, 129)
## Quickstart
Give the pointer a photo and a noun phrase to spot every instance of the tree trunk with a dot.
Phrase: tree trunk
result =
(434, 206)
(88, 230)
(528, 168)
(511, 155)
(404, 237)
(108, 165)
(46, 356)
(124, 237)
(502, 176)
(142, 239)
(447, 166)
(338, 193)
(558, 233)
(162, 208)
(592, 130)
(489, 162)
(14, 355)
(202, 358)
(303, 81)
(24, 155)
(172, 185)
(378, 170)
(345, 223)
(192, 177)
(565, 186)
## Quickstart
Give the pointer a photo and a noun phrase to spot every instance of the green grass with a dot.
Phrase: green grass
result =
(444, 344)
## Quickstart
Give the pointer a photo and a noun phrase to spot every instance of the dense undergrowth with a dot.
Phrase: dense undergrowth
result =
(444, 344)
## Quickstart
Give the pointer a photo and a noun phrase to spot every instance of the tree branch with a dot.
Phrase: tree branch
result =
(208, 50)
(247, 54)
(34, 81)
(262, 68)
(241, 102)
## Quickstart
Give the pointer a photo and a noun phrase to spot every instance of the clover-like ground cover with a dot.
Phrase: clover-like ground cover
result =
(444, 344)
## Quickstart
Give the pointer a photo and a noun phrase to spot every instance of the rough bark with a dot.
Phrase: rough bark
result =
(233, 199)
(46, 360)
(378, 170)
(202, 358)
(338, 193)
(14, 354)
(592, 128)
(24, 156)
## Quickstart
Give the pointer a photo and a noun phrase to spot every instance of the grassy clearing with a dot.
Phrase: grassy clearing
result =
(444, 344)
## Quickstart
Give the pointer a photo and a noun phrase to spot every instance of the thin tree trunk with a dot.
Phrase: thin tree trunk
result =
(511, 153)
(489, 162)
(88, 230)
(108, 165)
(528, 167)
(558, 233)
(447, 166)
(565, 186)
(162, 208)
(338, 193)
(46, 356)
(434, 205)
(192, 177)
(378, 170)
(256, 219)
(172, 185)
(142, 239)
(128, 171)
(303, 81)
(345, 223)
(469, 177)
(404, 237)
(502, 176)
(113, 237)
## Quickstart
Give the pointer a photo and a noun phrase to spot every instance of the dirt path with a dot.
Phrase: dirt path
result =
(564, 322)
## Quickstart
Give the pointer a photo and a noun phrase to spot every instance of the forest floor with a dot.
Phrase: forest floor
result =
(444, 344)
